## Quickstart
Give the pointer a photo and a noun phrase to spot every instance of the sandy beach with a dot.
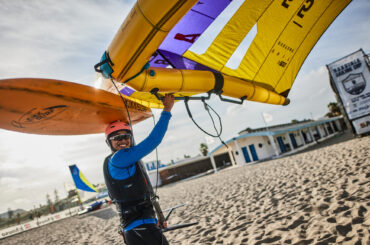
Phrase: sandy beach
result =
(320, 196)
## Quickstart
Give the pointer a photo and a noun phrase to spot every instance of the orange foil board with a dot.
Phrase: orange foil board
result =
(54, 107)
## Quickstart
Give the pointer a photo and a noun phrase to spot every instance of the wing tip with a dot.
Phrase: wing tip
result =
(286, 102)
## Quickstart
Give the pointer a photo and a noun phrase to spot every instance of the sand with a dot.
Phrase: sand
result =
(316, 197)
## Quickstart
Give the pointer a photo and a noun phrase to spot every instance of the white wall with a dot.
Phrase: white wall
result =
(337, 123)
(323, 134)
(313, 132)
(307, 135)
(263, 152)
(298, 138)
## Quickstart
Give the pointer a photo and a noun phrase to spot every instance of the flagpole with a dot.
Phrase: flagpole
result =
(78, 194)
(270, 137)
(79, 198)
(267, 128)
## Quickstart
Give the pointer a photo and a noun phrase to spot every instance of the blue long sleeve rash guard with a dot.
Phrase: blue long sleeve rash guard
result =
(122, 163)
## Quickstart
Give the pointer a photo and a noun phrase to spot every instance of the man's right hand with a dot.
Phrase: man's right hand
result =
(168, 102)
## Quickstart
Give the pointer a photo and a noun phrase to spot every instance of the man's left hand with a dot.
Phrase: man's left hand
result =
(168, 102)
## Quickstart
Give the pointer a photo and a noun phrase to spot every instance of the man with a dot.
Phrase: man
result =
(128, 186)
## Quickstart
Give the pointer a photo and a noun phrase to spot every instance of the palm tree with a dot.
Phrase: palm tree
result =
(248, 130)
(10, 213)
(56, 195)
(203, 149)
(334, 110)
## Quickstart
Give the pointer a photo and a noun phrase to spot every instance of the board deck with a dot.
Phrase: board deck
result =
(54, 107)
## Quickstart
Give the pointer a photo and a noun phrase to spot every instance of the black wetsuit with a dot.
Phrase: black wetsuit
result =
(145, 235)
(137, 216)
(130, 189)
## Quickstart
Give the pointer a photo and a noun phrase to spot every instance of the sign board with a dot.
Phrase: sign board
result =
(351, 77)
(38, 222)
(362, 125)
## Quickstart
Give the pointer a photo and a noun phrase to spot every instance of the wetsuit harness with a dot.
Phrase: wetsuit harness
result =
(127, 185)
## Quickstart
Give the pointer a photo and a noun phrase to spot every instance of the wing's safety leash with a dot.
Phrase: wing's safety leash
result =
(105, 68)
(207, 107)
(219, 83)
(157, 161)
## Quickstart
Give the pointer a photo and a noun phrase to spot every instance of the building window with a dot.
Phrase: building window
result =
(260, 145)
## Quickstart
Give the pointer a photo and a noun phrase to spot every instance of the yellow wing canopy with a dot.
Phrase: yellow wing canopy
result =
(249, 49)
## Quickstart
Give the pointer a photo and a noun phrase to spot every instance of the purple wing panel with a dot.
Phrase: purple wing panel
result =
(185, 33)
(127, 91)
(174, 60)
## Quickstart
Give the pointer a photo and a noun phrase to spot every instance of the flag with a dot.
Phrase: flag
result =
(80, 181)
(209, 140)
(267, 117)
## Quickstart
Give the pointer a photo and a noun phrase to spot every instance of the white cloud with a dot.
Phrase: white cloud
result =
(312, 92)
(43, 38)
(9, 181)
(209, 140)
(235, 109)
(21, 200)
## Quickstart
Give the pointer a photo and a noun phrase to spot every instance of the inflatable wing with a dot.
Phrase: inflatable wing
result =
(245, 49)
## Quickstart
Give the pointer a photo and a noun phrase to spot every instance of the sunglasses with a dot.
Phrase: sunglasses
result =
(120, 137)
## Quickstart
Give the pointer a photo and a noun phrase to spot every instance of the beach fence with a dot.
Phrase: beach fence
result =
(38, 222)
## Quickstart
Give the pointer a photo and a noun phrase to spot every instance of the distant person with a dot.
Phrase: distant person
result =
(127, 186)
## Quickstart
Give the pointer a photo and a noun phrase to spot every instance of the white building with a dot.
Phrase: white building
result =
(271, 142)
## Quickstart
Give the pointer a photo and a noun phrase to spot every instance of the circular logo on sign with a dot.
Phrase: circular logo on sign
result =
(354, 84)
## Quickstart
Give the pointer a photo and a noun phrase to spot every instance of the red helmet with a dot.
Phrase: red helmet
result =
(116, 126)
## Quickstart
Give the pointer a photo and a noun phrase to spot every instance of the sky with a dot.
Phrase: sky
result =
(65, 39)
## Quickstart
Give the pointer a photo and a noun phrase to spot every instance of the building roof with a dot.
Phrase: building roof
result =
(184, 162)
(277, 130)
(273, 127)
